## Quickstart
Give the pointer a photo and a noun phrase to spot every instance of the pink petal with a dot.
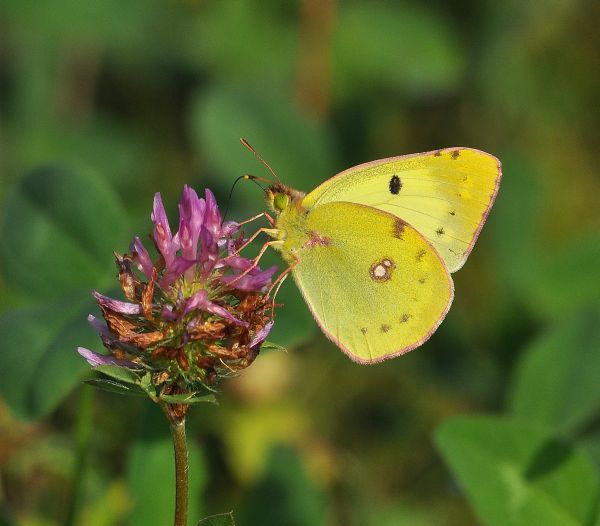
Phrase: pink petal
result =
(122, 307)
(95, 359)
(141, 256)
(261, 335)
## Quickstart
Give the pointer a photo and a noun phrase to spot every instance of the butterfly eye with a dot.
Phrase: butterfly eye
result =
(281, 202)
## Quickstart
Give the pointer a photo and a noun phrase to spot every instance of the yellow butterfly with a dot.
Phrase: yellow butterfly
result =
(372, 248)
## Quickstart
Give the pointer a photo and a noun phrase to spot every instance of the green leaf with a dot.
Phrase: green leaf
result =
(516, 474)
(222, 519)
(122, 374)
(270, 346)
(191, 398)
(58, 231)
(38, 356)
(557, 380)
(107, 145)
(117, 387)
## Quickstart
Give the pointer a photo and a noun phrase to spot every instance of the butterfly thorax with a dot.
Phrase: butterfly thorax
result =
(290, 218)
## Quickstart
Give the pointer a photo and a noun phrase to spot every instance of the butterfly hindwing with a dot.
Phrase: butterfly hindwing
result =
(444, 194)
(374, 284)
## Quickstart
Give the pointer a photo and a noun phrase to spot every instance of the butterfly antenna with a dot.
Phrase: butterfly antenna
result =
(247, 145)
(246, 177)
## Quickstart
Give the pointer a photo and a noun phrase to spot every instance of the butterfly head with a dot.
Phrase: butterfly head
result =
(281, 197)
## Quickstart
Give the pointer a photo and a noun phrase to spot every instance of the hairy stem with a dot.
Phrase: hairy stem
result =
(181, 470)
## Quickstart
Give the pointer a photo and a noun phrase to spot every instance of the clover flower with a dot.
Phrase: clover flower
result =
(196, 313)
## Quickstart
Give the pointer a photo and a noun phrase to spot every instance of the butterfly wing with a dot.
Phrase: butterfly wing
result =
(373, 283)
(446, 195)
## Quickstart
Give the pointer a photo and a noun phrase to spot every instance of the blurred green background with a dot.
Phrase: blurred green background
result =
(495, 421)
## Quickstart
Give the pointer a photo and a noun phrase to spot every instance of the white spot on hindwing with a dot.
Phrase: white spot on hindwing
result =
(379, 272)
(382, 270)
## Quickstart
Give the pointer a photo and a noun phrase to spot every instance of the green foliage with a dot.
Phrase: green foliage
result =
(516, 474)
(51, 240)
(105, 103)
(556, 382)
(53, 250)
(377, 44)
(293, 144)
(570, 278)
(515, 469)
(36, 359)
(286, 491)
(128, 381)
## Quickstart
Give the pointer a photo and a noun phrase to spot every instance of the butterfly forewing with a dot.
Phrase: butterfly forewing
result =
(444, 194)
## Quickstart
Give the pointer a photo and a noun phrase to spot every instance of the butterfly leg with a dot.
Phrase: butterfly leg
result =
(281, 278)
(270, 231)
(258, 216)
(279, 281)
(257, 258)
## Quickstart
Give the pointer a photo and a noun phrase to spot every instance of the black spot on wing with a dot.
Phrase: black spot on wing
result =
(395, 185)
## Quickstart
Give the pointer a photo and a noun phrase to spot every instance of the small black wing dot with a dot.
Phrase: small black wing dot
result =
(440, 231)
(395, 185)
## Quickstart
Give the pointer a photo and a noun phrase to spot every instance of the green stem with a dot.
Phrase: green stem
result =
(181, 471)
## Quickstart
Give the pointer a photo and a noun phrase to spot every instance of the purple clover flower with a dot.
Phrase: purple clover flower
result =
(197, 312)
